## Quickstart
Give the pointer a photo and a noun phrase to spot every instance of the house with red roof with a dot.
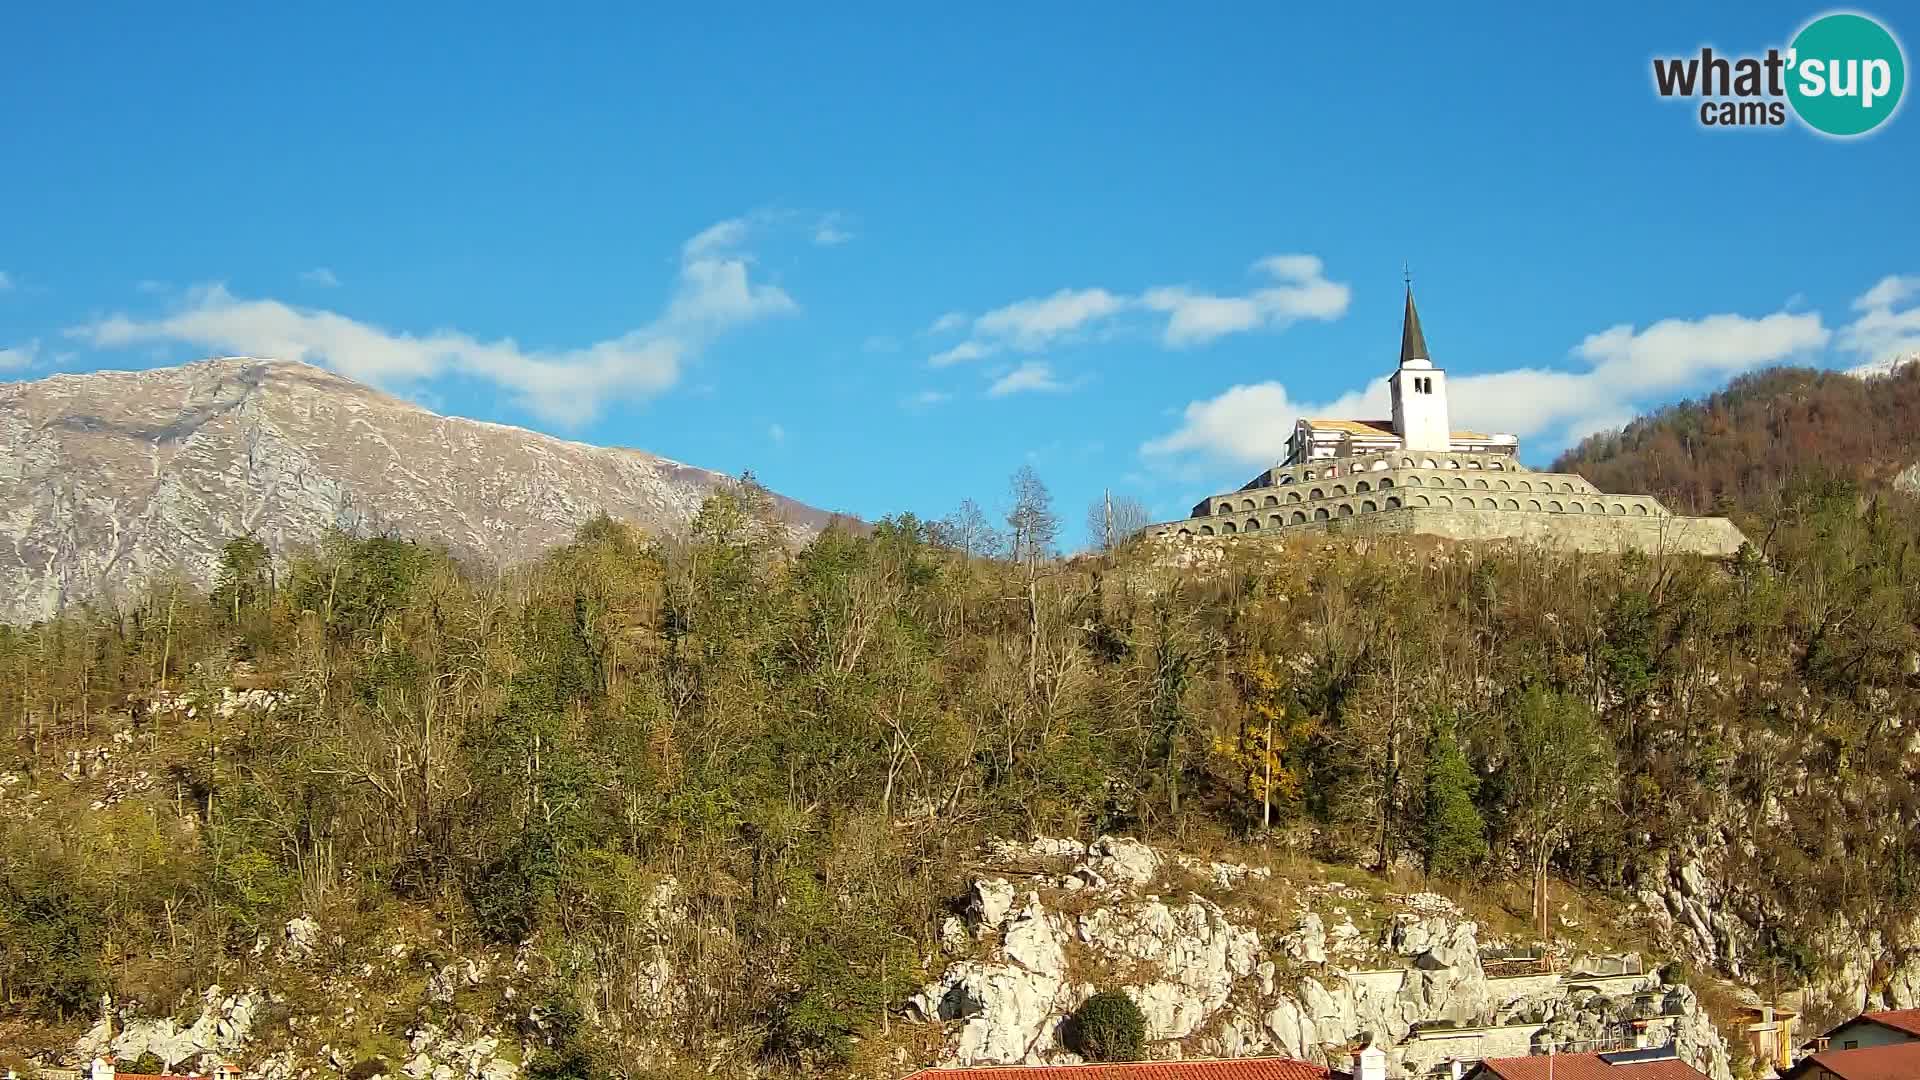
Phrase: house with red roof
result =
(1871, 1029)
(1658, 1063)
(1886, 1061)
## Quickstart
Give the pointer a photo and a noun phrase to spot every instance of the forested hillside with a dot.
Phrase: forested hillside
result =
(806, 743)
(1737, 449)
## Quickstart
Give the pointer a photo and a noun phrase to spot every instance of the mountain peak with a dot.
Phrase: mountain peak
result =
(119, 476)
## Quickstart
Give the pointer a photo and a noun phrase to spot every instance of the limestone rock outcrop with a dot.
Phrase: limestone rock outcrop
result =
(234, 1027)
(223, 1027)
(1210, 982)
(1908, 479)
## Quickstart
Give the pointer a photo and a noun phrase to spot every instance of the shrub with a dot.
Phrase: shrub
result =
(52, 929)
(572, 1051)
(1109, 1027)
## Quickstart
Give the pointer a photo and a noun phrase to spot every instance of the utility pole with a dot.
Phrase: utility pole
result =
(1109, 536)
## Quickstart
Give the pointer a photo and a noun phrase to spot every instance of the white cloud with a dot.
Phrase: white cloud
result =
(719, 237)
(149, 287)
(1296, 288)
(1032, 377)
(926, 399)
(961, 353)
(1884, 331)
(1027, 325)
(1037, 322)
(1300, 290)
(569, 386)
(1250, 423)
(777, 433)
(880, 343)
(19, 357)
(5, 281)
(320, 276)
(831, 230)
(1625, 368)
(1675, 352)
(1888, 291)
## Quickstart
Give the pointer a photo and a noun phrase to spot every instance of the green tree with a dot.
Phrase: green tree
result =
(244, 577)
(53, 926)
(1455, 834)
(1561, 769)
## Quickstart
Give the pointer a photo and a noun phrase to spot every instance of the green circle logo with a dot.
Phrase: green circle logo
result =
(1846, 74)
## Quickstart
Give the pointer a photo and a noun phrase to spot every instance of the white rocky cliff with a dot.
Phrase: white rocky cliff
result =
(110, 478)
(1179, 937)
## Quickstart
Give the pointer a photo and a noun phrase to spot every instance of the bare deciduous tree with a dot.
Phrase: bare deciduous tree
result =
(968, 531)
(1034, 527)
(1112, 520)
(1032, 522)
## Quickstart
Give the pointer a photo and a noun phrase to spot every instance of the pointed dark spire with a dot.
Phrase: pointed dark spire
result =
(1413, 344)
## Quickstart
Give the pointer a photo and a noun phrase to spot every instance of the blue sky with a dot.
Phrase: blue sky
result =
(883, 256)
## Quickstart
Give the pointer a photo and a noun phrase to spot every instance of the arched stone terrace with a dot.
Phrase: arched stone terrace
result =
(1341, 488)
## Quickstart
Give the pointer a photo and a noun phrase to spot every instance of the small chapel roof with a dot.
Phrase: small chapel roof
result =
(1355, 427)
(1383, 428)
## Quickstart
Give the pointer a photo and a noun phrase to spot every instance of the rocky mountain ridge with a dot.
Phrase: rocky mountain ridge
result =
(110, 479)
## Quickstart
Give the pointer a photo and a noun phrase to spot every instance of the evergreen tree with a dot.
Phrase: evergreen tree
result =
(1456, 837)
(1110, 1027)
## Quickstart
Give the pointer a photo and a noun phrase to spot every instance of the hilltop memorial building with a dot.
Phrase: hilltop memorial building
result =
(1415, 474)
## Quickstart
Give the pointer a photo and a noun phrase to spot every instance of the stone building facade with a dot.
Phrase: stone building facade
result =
(1416, 475)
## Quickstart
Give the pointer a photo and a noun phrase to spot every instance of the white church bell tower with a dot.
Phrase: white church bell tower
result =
(1419, 390)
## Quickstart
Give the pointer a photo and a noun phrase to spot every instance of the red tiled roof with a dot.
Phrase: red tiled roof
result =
(1907, 1020)
(1240, 1069)
(1895, 1061)
(1587, 1067)
(154, 1076)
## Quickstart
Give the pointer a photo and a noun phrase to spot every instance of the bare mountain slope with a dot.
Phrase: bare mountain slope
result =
(107, 479)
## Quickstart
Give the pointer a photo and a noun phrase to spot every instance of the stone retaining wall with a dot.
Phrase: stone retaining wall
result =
(1586, 532)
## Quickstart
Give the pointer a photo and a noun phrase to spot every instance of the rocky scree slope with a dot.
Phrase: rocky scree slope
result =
(110, 478)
